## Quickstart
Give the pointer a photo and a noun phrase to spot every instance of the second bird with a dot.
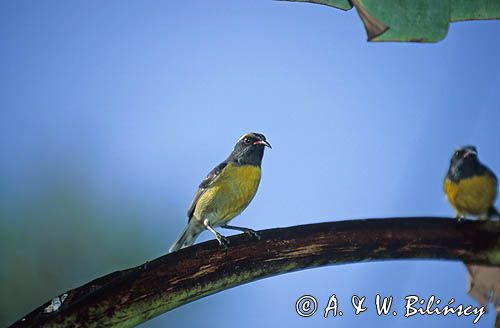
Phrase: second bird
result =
(225, 192)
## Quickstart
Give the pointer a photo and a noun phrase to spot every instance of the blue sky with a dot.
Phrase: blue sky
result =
(135, 103)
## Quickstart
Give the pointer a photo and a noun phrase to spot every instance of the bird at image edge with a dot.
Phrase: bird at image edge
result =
(225, 192)
(470, 186)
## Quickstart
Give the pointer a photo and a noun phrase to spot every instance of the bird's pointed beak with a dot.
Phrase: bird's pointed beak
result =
(263, 142)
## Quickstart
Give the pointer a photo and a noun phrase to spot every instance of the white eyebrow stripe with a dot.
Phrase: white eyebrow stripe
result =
(243, 136)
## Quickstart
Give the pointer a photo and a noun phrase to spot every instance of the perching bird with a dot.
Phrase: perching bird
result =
(470, 186)
(225, 192)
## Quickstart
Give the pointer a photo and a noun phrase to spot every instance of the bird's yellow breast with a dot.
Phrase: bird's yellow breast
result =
(474, 195)
(229, 194)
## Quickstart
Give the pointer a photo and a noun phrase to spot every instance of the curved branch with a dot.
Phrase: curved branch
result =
(129, 297)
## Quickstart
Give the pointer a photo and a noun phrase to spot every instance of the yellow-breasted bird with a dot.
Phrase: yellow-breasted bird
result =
(470, 186)
(225, 192)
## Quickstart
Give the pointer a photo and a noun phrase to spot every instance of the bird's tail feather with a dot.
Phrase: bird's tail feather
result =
(187, 237)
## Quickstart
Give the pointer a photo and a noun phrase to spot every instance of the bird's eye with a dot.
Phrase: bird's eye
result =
(457, 154)
(247, 140)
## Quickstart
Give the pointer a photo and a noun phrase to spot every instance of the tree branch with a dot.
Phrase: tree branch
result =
(127, 298)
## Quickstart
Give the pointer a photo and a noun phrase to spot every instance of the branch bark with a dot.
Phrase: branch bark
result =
(127, 298)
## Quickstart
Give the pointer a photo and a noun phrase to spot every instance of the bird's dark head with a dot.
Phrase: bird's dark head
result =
(249, 149)
(467, 154)
(464, 162)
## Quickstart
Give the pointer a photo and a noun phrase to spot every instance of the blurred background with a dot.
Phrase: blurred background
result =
(111, 115)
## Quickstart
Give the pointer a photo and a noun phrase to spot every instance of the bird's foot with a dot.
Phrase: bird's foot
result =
(223, 241)
(252, 233)
(248, 231)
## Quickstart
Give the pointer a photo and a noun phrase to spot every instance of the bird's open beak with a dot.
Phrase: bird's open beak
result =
(263, 142)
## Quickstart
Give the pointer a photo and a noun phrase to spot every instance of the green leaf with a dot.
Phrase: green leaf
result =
(413, 20)
(474, 9)
(410, 20)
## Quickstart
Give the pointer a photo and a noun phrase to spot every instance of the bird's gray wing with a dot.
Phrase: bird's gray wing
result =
(494, 176)
(491, 173)
(204, 185)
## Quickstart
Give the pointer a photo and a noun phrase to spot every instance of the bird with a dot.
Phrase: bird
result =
(226, 192)
(470, 186)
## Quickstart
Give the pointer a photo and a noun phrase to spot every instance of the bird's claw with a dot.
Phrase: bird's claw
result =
(252, 233)
(223, 241)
